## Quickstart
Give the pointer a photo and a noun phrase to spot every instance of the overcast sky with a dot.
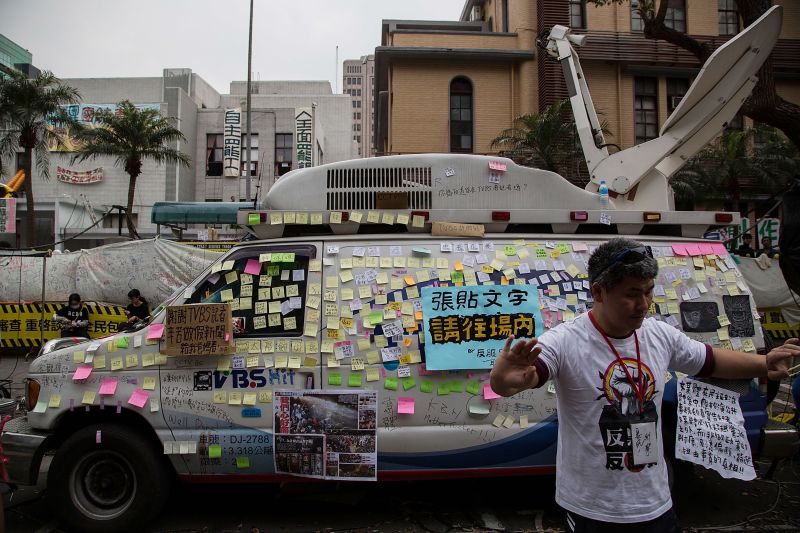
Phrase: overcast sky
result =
(116, 38)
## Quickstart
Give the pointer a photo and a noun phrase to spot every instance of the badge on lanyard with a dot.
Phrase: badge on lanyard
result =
(644, 441)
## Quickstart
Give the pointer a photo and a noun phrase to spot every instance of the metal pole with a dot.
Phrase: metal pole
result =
(249, 76)
(41, 318)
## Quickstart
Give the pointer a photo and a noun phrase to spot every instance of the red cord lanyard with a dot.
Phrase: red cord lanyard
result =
(637, 387)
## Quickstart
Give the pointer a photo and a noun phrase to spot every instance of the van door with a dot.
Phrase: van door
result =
(220, 407)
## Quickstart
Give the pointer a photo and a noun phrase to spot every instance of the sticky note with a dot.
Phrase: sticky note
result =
(242, 462)
(122, 342)
(249, 398)
(55, 401)
(474, 387)
(390, 383)
(334, 379)
(149, 383)
(354, 380)
(214, 451)
(443, 389)
(253, 218)
(253, 267)
(88, 397)
(220, 396)
(426, 386)
(139, 397)
(409, 383)
(131, 360)
(109, 387)
(82, 372)
(155, 331)
(405, 405)
(116, 363)
(498, 421)
(488, 393)
(523, 421)
(373, 374)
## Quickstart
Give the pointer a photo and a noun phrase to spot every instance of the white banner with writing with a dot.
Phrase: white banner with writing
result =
(711, 430)
(232, 142)
(303, 138)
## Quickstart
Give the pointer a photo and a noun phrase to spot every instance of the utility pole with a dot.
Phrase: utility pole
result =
(249, 77)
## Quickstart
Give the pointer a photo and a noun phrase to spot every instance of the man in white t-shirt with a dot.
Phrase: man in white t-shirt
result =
(609, 367)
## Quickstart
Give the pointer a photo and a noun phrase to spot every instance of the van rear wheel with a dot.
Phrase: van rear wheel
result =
(116, 485)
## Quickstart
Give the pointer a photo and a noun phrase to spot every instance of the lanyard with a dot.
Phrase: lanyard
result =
(637, 387)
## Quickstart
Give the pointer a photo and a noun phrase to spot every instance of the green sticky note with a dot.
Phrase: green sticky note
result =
(457, 277)
(242, 462)
(474, 387)
(375, 318)
(443, 389)
(456, 386)
(541, 253)
(354, 380)
(214, 451)
(409, 383)
(390, 383)
(334, 379)
(510, 250)
(287, 257)
(122, 342)
(253, 218)
(273, 270)
(562, 248)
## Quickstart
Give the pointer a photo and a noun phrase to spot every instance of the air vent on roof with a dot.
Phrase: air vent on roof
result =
(359, 188)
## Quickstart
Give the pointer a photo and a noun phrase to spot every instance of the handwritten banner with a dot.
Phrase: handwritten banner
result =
(77, 177)
(466, 327)
(303, 125)
(232, 142)
(711, 430)
(199, 329)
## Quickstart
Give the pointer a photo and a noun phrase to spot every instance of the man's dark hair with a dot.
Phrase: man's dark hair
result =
(607, 275)
(74, 297)
(747, 237)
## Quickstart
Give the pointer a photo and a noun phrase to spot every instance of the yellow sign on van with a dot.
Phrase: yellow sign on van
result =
(20, 323)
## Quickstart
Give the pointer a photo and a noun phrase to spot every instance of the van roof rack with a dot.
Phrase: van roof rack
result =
(410, 192)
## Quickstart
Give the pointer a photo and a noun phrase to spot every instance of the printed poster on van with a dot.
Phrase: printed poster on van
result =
(326, 434)
(466, 327)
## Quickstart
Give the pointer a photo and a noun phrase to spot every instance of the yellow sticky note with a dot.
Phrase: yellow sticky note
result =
(55, 401)
(88, 397)
(373, 374)
(265, 396)
(220, 396)
(149, 383)
(99, 361)
(356, 217)
(116, 363)
(336, 217)
(417, 221)
(131, 360)
(235, 398)
(722, 333)
(249, 398)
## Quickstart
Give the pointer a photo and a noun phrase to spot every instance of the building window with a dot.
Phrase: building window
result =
(577, 14)
(505, 16)
(676, 88)
(461, 115)
(284, 143)
(675, 17)
(645, 109)
(636, 19)
(214, 154)
(728, 17)
(253, 155)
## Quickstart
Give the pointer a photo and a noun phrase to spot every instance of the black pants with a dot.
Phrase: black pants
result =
(75, 332)
(666, 523)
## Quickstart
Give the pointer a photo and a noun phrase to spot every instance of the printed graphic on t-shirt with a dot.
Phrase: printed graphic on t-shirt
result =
(623, 408)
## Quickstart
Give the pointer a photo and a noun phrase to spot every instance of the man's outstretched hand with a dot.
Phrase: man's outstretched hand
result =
(779, 359)
(513, 371)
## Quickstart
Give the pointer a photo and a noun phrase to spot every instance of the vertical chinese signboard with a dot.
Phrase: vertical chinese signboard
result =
(303, 138)
(232, 142)
(466, 327)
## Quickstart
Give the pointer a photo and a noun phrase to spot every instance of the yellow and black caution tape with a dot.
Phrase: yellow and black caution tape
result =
(777, 326)
(21, 324)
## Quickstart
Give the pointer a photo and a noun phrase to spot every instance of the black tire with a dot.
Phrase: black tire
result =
(117, 485)
(4, 392)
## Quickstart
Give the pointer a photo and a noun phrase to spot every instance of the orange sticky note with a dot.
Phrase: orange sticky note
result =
(418, 315)
(458, 265)
(410, 280)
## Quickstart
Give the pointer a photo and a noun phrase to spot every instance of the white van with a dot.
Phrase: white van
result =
(310, 313)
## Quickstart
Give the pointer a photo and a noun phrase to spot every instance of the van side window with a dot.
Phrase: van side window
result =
(269, 303)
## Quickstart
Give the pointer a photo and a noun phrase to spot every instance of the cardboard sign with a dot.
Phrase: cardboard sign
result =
(455, 229)
(199, 329)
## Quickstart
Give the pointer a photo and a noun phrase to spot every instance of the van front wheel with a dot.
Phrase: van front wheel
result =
(116, 484)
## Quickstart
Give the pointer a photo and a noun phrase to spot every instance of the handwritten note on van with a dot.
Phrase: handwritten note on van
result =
(199, 329)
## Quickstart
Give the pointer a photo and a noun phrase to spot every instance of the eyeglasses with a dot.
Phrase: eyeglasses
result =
(627, 256)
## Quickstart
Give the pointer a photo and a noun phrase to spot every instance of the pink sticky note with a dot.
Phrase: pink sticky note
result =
(679, 249)
(383, 372)
(253, 267)
(139, 397)
(405, 405)
(82, 372)
(719, 248)
(488, 393)
(693, 250)
(109, 387)
(155, 331)
(227, 336)
(706, 249)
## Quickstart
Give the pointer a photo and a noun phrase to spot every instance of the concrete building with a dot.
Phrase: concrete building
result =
(69, 201)
(358, 80)
(452, 86)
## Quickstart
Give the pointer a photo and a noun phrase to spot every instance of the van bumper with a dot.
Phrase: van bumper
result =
(779, 440)
(23, 448)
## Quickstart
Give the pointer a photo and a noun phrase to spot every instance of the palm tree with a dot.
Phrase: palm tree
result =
(32, 118)
(540, 139)
(131, 136)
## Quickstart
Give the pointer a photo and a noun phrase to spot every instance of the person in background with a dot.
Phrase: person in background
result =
(74, 318)
(746, 249)
(767, 248)
(137, 310)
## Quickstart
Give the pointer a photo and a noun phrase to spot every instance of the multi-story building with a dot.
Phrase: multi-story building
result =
(358, 79)
(14, 57)
(453, 86)
(76, 192)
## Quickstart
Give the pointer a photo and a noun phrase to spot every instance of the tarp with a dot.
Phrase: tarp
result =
(770, 289)
(156, 267)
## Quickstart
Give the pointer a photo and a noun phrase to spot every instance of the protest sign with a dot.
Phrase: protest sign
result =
(466, 327)
(326, 434)
(199, 329)
(711, 430)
